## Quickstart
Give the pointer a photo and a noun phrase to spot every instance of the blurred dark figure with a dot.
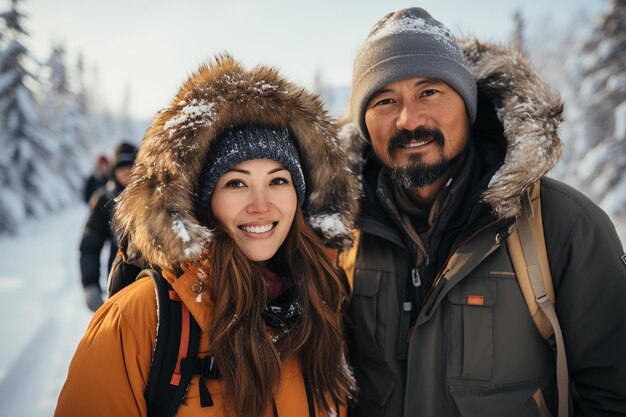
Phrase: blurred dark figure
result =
(97, 230)
(98, 178)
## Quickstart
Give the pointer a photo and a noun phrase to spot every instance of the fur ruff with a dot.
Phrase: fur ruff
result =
(529, 110)
(157, 211)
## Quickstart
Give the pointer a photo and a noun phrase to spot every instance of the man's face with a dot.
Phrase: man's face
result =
(417, 126)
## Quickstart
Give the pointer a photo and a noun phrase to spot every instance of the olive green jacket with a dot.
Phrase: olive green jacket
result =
(466, 344)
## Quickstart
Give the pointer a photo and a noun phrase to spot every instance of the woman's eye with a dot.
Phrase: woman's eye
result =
(235, 184)
(279, 181)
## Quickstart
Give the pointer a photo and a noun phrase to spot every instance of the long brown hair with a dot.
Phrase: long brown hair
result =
(250, 363)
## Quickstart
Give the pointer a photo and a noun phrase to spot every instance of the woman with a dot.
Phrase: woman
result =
(223, 182)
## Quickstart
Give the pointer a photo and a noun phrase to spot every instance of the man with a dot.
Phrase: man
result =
(97, 230)
(447, 140)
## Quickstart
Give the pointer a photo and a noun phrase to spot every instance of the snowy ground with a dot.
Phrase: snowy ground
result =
(42, 313)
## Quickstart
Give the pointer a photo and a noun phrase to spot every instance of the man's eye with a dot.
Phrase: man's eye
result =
(428, 93)
(279, 181)
(235, 184)
(383, 102)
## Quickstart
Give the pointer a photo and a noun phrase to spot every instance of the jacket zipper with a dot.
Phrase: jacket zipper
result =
(442, 273)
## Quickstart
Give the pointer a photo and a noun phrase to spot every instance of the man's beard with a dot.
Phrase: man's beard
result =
(418, 173)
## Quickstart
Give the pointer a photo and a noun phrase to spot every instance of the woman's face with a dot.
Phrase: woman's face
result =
(256, 202)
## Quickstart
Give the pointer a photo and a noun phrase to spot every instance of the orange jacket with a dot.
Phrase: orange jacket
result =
(109, 372)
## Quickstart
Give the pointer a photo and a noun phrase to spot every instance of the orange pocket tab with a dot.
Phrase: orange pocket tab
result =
(475, 300)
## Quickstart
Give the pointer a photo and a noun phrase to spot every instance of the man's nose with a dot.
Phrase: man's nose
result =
(411, 116)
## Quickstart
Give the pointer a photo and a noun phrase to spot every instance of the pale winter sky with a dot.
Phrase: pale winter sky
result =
(153, 45)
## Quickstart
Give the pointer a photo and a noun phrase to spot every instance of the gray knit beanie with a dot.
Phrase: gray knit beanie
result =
(405, 44)
(235, 146)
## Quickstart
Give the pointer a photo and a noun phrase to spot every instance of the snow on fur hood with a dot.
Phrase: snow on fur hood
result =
(529, 110)
(156, 212)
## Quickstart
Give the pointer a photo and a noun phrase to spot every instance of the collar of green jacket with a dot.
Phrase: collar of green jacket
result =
(461, 211)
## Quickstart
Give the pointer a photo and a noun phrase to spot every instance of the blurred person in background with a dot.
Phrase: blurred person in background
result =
(98, 178)
(97, 230)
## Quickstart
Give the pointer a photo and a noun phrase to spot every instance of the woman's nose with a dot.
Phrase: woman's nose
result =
(259, 201)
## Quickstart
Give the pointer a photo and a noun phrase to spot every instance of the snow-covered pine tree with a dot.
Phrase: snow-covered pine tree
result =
(600, 157)
(24, 170)
(65, 120)
(86, 107)
(104, 127)
(12, 209)
(517, 37)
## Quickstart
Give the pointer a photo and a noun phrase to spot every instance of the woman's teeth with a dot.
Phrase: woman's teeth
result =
(258, 229)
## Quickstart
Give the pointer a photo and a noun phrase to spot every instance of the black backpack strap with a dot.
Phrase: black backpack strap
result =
(122, 274)
(126, 266)
(309, 397)
(177, 340)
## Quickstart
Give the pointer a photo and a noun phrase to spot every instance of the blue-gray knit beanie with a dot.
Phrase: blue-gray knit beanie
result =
(238, 145)
(405, 44)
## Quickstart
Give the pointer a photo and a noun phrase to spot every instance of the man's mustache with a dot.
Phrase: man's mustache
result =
(420, 134)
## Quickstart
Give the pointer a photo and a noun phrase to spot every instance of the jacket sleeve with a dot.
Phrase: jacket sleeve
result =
(109, 371)
(95, 234)
(590, 284)
(91, 185)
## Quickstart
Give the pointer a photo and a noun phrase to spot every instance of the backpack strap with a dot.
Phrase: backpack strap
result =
(529, 256)
(126, 266)
(178, 336)
(530, 224)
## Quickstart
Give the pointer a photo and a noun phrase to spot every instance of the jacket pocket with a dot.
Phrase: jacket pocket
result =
(364, 312)
(470, 329)
(510, 401)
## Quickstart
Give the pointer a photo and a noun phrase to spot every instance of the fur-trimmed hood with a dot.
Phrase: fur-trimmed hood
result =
(529, 110)
(156, 213)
